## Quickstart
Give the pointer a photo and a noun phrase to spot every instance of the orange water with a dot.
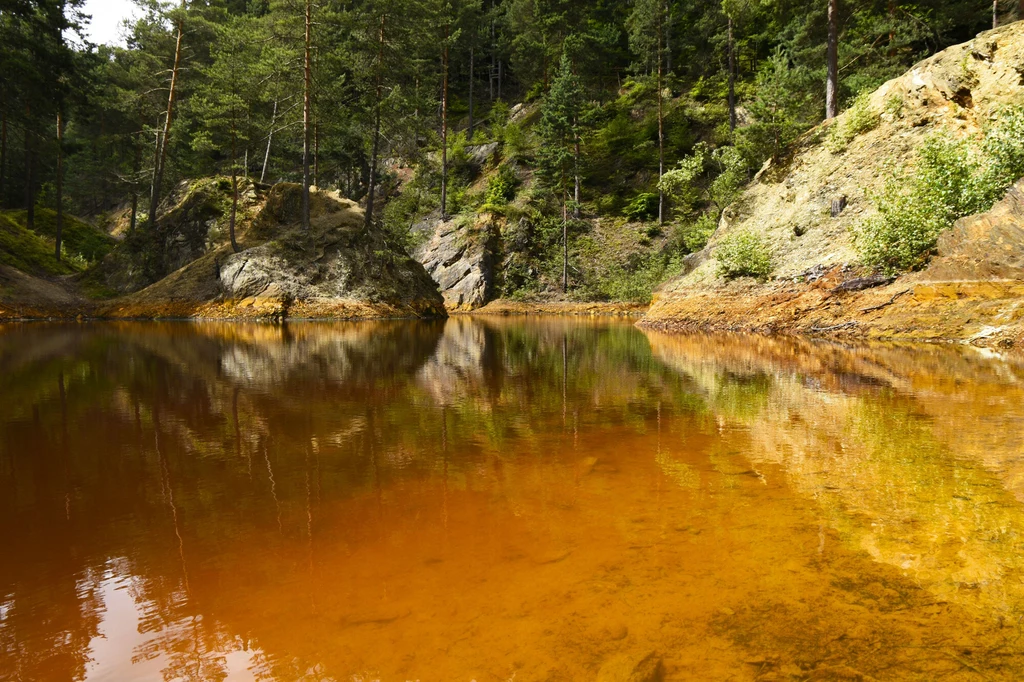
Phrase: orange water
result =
(504, 499)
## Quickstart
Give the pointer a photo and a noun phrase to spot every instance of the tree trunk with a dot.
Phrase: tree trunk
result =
(576, 178)
(3, 153)
(30, 169)
(565, 247)
(371, 182)
(995, 13)
(832, 83)
(161, 156)
(270, 138)
(135, 188)
(668, 41)
(234, 186)
(316, 153)
(661, 125)
(444, 126)
(59, 233)
(469, 134)
(732, 80)
(306, 110)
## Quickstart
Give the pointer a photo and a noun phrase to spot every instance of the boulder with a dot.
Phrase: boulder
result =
(986, 246)
(459, 255)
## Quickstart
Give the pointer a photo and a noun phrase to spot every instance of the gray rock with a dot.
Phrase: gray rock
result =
(460, 257)
(480, 154)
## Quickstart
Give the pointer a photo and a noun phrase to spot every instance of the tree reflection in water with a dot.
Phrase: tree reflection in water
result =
(484, 497)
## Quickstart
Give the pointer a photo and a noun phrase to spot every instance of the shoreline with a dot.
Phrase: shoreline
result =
(982, 313)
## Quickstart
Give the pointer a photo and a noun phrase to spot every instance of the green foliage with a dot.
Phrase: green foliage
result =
(706, 177)
(563, 120)
(744, 254)
(23, 249)
(783, 107)
(859, 119)
(692, 236)
(644, 206)
(78, 238)
(636, 282)
(501, 187)
(951, 179)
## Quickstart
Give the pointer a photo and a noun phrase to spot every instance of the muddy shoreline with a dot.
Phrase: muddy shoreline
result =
(983, 313)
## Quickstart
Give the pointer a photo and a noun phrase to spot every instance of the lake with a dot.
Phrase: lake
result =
(497, 499)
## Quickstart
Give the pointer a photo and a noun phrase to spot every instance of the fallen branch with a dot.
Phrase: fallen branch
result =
(861, 283)
(887, 303)
(834, 327)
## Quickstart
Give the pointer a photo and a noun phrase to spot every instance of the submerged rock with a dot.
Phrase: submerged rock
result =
(637, 666)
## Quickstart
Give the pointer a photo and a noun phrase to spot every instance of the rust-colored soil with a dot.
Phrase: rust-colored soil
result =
(983, 312)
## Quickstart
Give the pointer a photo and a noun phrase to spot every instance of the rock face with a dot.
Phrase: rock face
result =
(987, 246)
(460, 257)
(336, 269)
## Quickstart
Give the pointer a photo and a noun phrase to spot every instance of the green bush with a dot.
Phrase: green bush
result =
(951, 179)
(644, 206)
(744, 254)
(501, 187)
(690, 237)
(858, 119)
(636, 284)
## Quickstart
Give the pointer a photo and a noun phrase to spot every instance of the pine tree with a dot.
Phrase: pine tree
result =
(561, 129)
(832, 66)
(163, 138)
(646, 26)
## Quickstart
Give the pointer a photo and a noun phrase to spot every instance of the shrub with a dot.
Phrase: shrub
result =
(636, 284)
(501, 187)
(951, 179)
(692, 237)
(744, 254)
(644, 206)
(858, 119)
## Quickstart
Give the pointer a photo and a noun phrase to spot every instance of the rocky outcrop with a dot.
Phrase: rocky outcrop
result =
(459, 256)
(806, 205)
(987, 246)
(336, 269)
(193, 222)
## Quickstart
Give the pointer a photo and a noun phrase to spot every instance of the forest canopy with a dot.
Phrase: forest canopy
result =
(346, 94)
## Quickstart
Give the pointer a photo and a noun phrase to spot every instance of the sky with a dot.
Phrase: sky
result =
(105, 27)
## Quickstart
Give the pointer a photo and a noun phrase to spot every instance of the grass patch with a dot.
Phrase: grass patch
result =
(77, 237)
(857, 120)
(25, 250)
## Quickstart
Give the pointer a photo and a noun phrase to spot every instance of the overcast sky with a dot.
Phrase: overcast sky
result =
(107, 15)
